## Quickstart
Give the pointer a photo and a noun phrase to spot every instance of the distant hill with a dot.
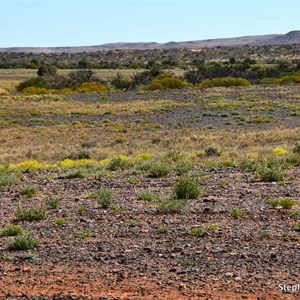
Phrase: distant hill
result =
(292, 37)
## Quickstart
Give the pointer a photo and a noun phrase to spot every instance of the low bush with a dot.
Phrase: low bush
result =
(23, 243)
(187, 188)
(196, 231)
(224, 81)
(284, 203)
(159, 169)
(171, 206)
(213, 150)
(132, 222)
(118, 162)
(237, 213)
(38, 82)
(28, 191)
(164, 82)
(7, 179)
(104, 197)
(11, 230)
(35, 90)
(30, 213)
(293, 78)
(52, 202)
(183, 166)
(146, 195)
(88, 87)
(273, 173)
(60, 221)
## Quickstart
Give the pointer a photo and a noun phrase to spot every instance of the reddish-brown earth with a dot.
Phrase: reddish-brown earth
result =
(247, 258)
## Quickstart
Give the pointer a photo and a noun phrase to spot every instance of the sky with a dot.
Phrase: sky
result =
(39, 23)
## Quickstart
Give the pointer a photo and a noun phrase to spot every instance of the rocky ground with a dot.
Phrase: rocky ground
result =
(244, 258)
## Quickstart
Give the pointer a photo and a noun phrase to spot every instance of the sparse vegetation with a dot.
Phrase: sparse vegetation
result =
(11, 230)
(273, 173)
(30, 213)
(147, 195)
(7, 179)
(163, 229)
(284, 203)
(196, 231)
(237, 213)
(28, 191)
(132, 222)
(104, 197)
(170, 206)
(158, 169)
(60, 221)
(23, 242)
(147, 157)
(87, 233)
(52, 202)
(187, 188)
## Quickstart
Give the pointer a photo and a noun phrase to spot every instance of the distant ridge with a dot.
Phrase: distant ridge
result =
(292, 37)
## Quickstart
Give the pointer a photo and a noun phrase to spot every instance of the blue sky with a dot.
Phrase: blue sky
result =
(75, 23)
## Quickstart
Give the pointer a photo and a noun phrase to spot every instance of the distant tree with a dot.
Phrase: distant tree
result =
(232, 60)
(120, 82)
(33, 64)
(83, 64)
(81, 76)
(46, 70)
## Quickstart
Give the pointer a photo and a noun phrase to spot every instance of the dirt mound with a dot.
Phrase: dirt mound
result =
(3, 92)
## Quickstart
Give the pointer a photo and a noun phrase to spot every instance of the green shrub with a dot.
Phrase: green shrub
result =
(285, 203)
(200, 153)
(30, 213)
(46, 70)
(60, 221)
(187, 188)
(237, 213)
(7, 179)
(196, 231)
(11, 230)
(87, 233)
(171, 206)
(183, 166)
(265, 173)
(146, 195)
(214, 227)
(28, 191)
(118, 162)
(213, 150)
(75, 174)
(274, 203)
(297, 226)
(132, 222)
(163, 229)
(294, 214)
(52, 202)
(104, 197)
(38, 82)
(224, 81)
(175, 155)
(23, 243)
(159, 169)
